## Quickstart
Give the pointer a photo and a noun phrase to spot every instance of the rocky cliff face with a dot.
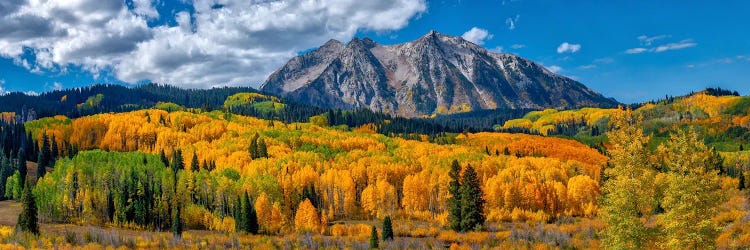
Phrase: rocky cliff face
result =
(435, 74)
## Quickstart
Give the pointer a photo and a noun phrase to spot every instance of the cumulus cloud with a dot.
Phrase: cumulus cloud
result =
(568, 48)
(517, 46)
(145, 8)
(238, 42)
(477, 35)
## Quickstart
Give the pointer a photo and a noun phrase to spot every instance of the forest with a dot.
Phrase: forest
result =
(669, 174)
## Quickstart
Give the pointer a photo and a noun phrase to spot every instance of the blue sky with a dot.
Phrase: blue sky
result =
(629, 50)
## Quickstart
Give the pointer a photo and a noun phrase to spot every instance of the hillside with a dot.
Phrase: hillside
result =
(100, 98)
(435, 74)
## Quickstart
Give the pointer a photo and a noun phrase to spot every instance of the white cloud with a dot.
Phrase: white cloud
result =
(647, 41)
(498, 49)
(145, 8)
(636, 50)
(477, 35)
(588, 66)
(568, 48)
(511, 22)
(684, 44)
(239, 43)
(555, 68)
(517, 46)
(57, 86)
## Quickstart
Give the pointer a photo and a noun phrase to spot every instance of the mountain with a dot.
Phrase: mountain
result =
(435, 74)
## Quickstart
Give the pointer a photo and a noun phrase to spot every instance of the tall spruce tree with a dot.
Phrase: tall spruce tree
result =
(21, 164)
(45, 150)
(27, 220)
(164, 158)
(472, 201)
(374, 238)
(41, 168)
(250, 218)
(253, 150)
(194, 162)
(177, 223)
(387, 229)
(454, 202)
(262, 149)
(5, 172)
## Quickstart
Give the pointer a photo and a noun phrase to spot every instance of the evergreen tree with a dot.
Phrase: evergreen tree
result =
(742, 148)
(21, 164)
(54, 150)
(27, 220)
(387, 229)
(253, 150)
(472, 201)
(250, 218)
(177, 162)
(177, 223)
(262, 150)
(454, 202)
(164, 158)
(310, 194)
(194, 163)
(741, 185)
(46, 154)
(41, 168)
(5, 172)
(374, 238)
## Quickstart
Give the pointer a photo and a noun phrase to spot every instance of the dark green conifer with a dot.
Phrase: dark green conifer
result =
(374, 238)
(27, 220)
(454, 202)
(387, 229)
(472, 201)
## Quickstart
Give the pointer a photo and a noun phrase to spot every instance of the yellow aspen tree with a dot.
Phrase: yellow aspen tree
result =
(306, 219)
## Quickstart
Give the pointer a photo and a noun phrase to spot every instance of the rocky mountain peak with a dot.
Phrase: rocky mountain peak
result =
(434, 74)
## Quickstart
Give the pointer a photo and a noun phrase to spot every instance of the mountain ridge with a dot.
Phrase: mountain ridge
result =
(434, 74)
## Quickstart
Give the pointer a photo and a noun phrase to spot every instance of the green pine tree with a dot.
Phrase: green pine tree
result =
(472, 201)
(387, 229)
(454, 202)
(194, 163)
(253, 150)
(250, 218)
(27, 220)
(21, 164)
(741, 185)
(177, 223)
(41, 167)
(262, 150)
(45, 151)
(374, 238)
